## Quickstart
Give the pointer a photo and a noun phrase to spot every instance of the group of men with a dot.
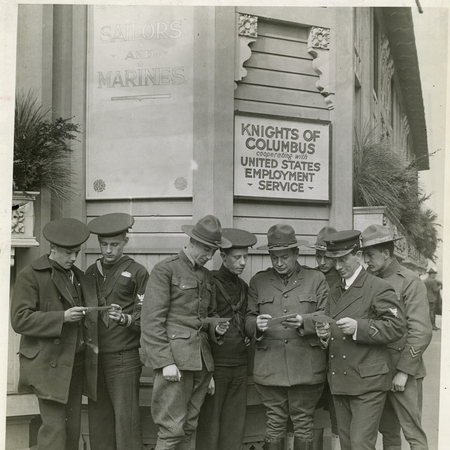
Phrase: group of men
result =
(337, 333)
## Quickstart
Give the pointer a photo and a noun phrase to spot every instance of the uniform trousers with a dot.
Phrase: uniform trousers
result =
(297, 402)
(222, 417)
(61, 423)
(358, 419)
(176, 407)
(114, 419)
(403, 410)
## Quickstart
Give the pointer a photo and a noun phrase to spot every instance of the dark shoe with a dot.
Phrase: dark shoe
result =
(276, 444)
(302, 444)
(435, 328)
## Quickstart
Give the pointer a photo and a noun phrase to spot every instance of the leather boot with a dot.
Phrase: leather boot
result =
(303, 444)
(276, 444)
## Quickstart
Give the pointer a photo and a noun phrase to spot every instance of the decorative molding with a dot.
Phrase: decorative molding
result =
(247, 32)
(386, 72)
(22, 221)
(319, 49)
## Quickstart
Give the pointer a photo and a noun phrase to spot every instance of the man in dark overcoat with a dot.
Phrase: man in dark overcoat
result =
(290, 366)
(179, 320)
(114, 418)
(403, 407)
(367, 316)
(222, 417)
(58, 347)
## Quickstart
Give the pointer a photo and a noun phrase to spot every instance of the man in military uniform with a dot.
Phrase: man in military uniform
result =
(222, 417)
(114, 419)
(433, 292)
(403, 407)
(290, 366)
(179, 320)
(365, 316)
(58, 347)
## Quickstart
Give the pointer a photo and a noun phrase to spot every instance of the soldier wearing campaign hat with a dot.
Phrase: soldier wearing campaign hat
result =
(114, 418)
(179, 322)
(366, 316)
(222, 417)
(403, 407)
(290, 367)
(58, 348)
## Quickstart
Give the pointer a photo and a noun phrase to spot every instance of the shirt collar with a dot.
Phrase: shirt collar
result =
(349, 281)
(189, 257)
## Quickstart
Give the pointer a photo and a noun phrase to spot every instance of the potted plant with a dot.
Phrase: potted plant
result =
(41, 162)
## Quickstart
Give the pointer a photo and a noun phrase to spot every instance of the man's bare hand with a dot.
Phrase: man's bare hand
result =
(74, 314)
(212, 387)
(347, 325)
(171, 373)
(399, 382)
(293, 322)
(222, 328)
(262, 322)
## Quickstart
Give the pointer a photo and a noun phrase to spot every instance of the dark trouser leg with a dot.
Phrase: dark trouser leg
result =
(274, 444)
(408, 407)
(176, 405)
(390, 426)
(61, 423)
(302, 403)
(275, 399)
(358, 419)
(433, 315)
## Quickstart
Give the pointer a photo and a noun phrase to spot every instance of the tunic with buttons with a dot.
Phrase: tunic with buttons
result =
(179, 297)
(406, 353)
(361, 365)
(287, 356)
(48, 344)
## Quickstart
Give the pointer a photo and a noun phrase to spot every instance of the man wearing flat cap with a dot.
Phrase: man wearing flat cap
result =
(222, 417)
(403, 407)
(290, 366)
(179, 320)
(114, 418)
(323, 420)
(58, 347)
(365, 316)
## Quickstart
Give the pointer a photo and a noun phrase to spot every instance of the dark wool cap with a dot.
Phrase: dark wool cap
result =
(239, 238)
(67, 233)
(111, 224)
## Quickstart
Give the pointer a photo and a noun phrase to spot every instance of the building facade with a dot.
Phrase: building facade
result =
(247, 113)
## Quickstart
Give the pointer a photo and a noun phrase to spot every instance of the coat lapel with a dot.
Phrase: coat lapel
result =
(348, 297)
(62, 288)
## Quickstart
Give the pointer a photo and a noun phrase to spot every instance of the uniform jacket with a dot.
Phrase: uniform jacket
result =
(406, 354)
(178, 298)
(433, 287)
(47, 347)
(124, 285)
(362, 365)
(287, 356)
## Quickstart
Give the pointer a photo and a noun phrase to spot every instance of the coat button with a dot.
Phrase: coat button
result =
(52, 363)
(89, 341)
(285, 296)
(331, 356)
(343, 338)
(333, 373)
(285, 341)
(57, 342)
(345, 373)
(344, 357)
(285, 310)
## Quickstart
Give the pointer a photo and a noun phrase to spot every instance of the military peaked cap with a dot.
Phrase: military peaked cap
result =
(342, 243)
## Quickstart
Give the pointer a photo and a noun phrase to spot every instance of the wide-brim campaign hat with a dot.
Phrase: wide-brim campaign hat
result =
(320, 244)
(377, 234)
(280, 237)
(239, 238)
(432, 270)
(207, 230)
(111, 224)
(67, 233)
(342, 243)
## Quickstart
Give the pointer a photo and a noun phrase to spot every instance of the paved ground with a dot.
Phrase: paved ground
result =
(430, 414)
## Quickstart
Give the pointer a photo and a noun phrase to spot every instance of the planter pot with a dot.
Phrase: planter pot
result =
(22, 221)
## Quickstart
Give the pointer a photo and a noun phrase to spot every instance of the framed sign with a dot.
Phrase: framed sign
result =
(140, 102)
(281, 158)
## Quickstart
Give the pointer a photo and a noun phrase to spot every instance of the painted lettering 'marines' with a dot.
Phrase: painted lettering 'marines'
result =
(142, 77)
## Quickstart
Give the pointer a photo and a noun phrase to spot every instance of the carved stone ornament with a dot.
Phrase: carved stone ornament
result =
(247, 32)
(22, 221)
(319, 49)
